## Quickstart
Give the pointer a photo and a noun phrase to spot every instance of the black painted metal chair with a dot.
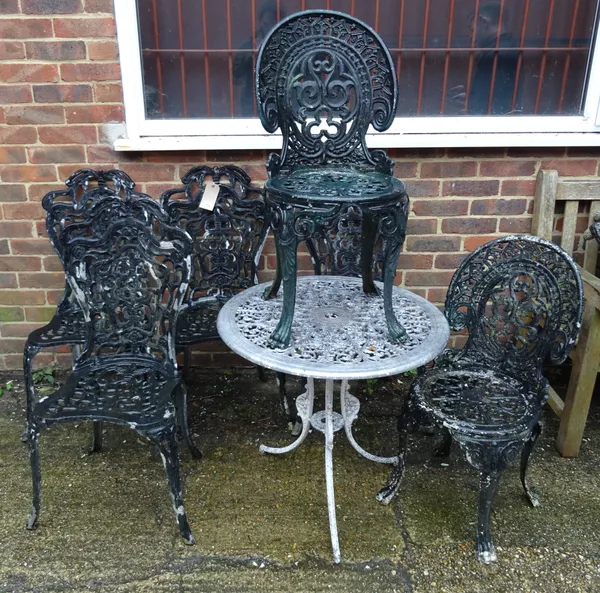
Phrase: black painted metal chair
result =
(228, 241)
(521, 300)
(323, 78)
(85, 189)
(64, 207)
(128, 271)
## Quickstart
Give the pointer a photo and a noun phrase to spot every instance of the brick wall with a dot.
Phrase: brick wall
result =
(60, 103)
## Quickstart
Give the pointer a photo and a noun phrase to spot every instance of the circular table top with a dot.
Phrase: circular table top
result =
(338, 332)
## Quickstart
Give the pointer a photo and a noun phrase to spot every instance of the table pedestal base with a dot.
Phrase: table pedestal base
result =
(328, 422)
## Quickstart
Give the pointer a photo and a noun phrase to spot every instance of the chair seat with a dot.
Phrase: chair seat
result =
(476, 399)
(130, 390)
(68, 327)
(198, 323)
(335, 183)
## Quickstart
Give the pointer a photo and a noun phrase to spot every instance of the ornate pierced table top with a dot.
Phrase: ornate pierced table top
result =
(334, 184)
(338, 331)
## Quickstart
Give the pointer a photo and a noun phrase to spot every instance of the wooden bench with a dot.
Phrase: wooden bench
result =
(573, 410)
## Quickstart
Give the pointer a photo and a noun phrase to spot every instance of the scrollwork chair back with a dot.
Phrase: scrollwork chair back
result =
(323, 77)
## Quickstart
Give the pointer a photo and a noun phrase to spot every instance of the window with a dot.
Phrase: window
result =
(470, 72)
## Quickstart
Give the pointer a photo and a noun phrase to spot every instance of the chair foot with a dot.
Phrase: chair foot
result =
(488, 486)
(443, 448)
(262, 375)
(36, 476)
(97, 437)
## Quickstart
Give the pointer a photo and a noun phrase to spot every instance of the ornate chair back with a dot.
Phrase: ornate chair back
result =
(228, 239)
(129, 281)
(323, 77)
(521, 300)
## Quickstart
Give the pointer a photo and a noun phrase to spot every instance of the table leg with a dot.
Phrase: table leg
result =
(369, 234)
(350, 407)
(288, 244)
(335, 544)
(304, 406)
(393, 244)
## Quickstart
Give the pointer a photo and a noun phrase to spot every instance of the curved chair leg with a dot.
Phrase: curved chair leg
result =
(29, 353)
(488, 486)
(369, 235)
(260, 371)
(393, 244)
(288, 407)
(97, 436)
(167, 447)
(36, 476)
(272, 290)
(180, 401)
(527, 449)
(387, 493)
(443, 448)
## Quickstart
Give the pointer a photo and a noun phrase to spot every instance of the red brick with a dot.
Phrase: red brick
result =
(12, 50)
(423, 189)
(518, 187)
(4, 247)
(102, 50)
(15, 229)
(476, 153)
(440, 207)
(64, 93)
(90, 72)
(52, 264)
(27, 173)
(469, 225)
(20, 72)
(55, 51)
(54, 296)
(32, 247)
(8, 281)
(23, 297)
(10, 94)
(13, 193)
(56, 154)
(26, 211)
(404, 169)
(428, 278)
(2, 115)
(20, 264)
(70, 134)
(39, 314)
(572, 167)
(18, 330)
(12, 154)
(78, 28)
(507, 168)
(64, 171)
(421, 226)
(449, 261)
(10, 346)
(149, 171)
(515, 225)
(415, 261)
(498, 206)
(111, 93)
(41, 280)
(432, 244)
(35, 114)
(448, 169)
(583, 152)
(470, 188)
(9, 7)
(90, 114)
(536, 153)
(437, 295)
(102, 154)
(472, 243)
(51, 6)
(25, 28)
(99, 6)
(18, 135)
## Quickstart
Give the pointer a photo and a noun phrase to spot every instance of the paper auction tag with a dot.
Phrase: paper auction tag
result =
(209, 197)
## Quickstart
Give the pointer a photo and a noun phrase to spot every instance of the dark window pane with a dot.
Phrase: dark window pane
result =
(510, 57)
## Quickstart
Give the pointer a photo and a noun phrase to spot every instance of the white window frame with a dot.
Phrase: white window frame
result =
(405, 132)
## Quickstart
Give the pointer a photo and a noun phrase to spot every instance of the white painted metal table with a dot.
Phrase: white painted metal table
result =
(339, 333)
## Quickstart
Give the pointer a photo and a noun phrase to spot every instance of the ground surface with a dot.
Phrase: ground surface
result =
(261, 522)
